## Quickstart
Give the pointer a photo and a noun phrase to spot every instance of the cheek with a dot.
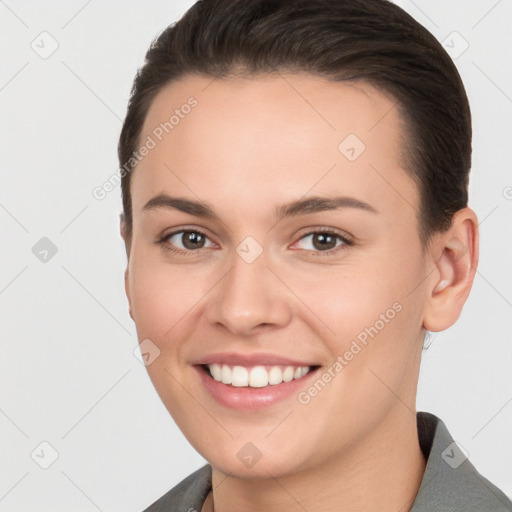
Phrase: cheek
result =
(367, 311)
(374, 342)
(162, 296)
(346, 299)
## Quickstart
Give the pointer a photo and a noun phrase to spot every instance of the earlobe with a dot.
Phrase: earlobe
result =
(455, 259)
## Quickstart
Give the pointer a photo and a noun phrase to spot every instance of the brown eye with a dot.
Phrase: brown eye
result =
(192, 240)
(322, 241)
(188, 240)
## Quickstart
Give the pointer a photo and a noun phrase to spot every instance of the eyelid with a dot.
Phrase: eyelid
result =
(183, 229)
(341, 235)
(164, 239)
(346, 237)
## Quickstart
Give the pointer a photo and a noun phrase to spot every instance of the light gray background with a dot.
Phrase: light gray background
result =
(68, 375)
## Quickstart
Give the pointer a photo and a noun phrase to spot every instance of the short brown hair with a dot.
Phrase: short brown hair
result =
(371, 41)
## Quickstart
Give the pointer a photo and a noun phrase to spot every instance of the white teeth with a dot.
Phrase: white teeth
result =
(216, 372)
(226, 374)
(256, 377)
(288, 374)
(239, 376)
(275, 376)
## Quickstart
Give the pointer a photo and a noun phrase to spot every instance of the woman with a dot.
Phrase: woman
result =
(296, 218)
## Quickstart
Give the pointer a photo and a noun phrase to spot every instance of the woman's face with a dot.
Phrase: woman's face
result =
(236, 275)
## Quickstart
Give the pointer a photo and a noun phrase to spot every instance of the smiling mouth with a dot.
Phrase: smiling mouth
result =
(255, 376)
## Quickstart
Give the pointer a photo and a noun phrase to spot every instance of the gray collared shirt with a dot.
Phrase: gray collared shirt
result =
(450, 482)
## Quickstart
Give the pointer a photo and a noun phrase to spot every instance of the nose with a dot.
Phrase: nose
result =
(249, 298)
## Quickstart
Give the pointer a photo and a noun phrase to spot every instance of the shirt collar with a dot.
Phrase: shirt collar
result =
(450, 482)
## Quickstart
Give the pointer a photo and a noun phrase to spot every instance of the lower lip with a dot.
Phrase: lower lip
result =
(251, 398)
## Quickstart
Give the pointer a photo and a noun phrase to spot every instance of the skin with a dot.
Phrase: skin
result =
(249, 146)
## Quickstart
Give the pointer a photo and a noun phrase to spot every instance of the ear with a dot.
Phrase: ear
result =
(124, 232)
(122, 229)
(455, 257)
(127, 291)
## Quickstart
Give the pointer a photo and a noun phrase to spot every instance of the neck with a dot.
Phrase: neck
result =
(382, 473)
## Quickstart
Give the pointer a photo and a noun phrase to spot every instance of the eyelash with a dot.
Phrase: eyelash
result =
(347, 242)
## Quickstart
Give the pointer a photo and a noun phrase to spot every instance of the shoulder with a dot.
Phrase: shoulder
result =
(188, 495)
(450, 481)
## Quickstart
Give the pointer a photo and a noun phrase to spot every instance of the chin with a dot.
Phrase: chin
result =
(259, 461)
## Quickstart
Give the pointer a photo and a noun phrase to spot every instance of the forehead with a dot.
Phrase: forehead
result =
(278, 135)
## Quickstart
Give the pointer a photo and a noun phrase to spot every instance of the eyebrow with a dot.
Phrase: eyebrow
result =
(292, 209)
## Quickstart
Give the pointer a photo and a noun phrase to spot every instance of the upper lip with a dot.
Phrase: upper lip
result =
(262, 359)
